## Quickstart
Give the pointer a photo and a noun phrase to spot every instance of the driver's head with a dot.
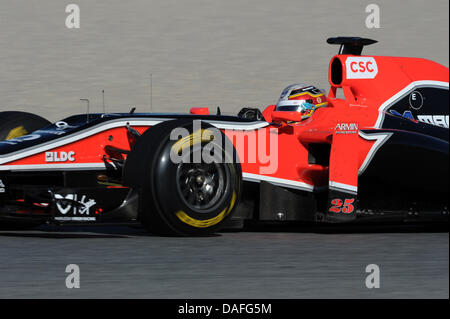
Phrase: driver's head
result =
(301, 98)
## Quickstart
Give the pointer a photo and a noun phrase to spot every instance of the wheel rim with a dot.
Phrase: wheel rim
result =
(201, 186)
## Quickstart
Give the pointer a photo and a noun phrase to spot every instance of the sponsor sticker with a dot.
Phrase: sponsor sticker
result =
(2, 187)
(361, 68)
(415, 100)
(51, 157)
(346, 128)
(74, 204)
(438, 120)
(78, 219)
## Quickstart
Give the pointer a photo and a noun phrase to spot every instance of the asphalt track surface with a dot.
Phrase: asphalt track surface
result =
(126, 262)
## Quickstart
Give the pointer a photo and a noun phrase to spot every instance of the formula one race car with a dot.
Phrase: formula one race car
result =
(380, 153)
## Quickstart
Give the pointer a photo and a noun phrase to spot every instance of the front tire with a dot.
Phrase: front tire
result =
(184, 198)
(16, 124)
(12, 125)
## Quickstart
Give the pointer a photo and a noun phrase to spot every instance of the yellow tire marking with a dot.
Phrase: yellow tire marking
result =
(16, 132)
(185, 218)
(202, 135)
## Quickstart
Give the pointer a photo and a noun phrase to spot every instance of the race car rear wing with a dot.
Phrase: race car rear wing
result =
(351, 45)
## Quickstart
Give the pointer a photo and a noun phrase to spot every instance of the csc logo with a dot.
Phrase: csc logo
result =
(361, 68)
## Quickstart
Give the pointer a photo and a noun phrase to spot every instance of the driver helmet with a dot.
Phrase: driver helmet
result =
(301, 98)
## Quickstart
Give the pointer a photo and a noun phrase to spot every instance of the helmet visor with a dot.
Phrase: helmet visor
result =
(301, 106)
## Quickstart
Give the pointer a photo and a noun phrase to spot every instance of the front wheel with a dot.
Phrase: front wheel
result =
(12, 125)
(16, 124)
(188, 185)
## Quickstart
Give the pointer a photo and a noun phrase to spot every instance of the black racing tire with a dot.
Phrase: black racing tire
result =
(182, 198)
(15, 124)
(12, 125)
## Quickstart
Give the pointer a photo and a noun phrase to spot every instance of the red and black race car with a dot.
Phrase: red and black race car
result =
(378, 153)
